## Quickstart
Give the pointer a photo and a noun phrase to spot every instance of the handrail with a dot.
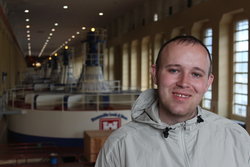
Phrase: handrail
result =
(23, 98)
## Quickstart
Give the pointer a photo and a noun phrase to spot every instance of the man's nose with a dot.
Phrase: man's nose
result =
(183, 80)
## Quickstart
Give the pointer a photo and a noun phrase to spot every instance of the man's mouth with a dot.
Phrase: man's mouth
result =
(182, 95)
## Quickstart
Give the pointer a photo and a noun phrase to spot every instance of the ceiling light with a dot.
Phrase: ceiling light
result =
(28, 39)
(92, 29)
(155, 17)
(55, 54)
(27, 20)
(50, 34)
(65, 7)
(26, 11)
(66, 47)
(38, 64)
(28, 31)
(100, 14)
(83, 28)
(27, 26)
(52, 29)
(77, 32)
(28, 35)
(50, 58)
(56, 24)
(73, 36)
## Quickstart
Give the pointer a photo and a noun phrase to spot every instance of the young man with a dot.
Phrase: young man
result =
(168, 128)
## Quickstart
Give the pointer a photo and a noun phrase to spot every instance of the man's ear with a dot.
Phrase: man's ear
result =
(154, 74)
(210, 80)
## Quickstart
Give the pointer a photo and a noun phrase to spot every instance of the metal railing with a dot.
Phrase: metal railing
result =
(26, 98)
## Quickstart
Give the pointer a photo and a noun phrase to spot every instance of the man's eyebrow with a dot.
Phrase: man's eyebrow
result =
(200, 69)
(178, 65)
(172, 65)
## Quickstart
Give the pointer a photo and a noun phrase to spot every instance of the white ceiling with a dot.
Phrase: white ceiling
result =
(44, 13)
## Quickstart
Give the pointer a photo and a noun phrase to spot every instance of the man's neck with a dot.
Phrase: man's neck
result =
(171, 119)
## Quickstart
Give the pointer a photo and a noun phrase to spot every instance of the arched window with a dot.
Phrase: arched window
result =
(207, 40)
(240, 68)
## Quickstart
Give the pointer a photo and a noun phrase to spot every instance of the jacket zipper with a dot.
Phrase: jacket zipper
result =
(183, 145)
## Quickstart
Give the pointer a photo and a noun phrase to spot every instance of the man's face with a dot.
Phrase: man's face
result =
(182, 79)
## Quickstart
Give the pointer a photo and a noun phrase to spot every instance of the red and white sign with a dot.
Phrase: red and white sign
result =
(110, 123)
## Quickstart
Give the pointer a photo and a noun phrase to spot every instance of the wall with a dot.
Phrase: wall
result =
(12, 63)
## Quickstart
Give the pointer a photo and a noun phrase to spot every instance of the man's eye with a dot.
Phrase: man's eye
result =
(197, 75)
(173, 70)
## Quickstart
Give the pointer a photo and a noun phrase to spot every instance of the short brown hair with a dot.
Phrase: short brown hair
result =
(184, 39)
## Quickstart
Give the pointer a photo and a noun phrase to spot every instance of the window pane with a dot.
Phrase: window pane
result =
(206, 103)
(241, 99)
(208, 41)
(241, 56)
(208, 32)
(240, 110)
(242, 25)
(241, 67)
(242, 78)
(240, 88)
(241, 46)
(208, 95)
(241, 36)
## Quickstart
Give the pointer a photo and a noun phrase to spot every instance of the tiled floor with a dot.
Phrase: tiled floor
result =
(49, 165)
(40, 155)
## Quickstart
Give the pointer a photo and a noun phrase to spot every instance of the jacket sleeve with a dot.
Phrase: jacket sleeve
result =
(109, 155)
(103, 160)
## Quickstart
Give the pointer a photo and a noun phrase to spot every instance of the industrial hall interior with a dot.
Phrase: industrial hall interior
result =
(70, 70)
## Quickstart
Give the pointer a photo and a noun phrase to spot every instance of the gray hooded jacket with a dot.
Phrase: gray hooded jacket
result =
(207, 140)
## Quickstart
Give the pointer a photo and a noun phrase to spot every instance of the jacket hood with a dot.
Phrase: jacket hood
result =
(145, 110)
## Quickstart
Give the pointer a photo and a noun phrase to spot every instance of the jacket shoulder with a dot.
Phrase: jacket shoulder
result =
(224, 124)
(120, 136)
(131, 128)
(113, 149)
